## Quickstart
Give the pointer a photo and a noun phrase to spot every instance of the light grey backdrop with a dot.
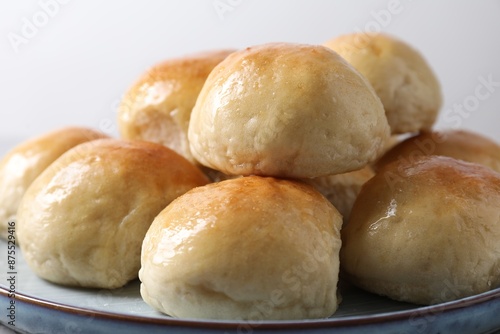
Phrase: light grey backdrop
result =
(68, 62)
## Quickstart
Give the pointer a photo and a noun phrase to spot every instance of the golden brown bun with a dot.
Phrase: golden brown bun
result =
(82, 221)
(425, 232)
(407, 86)
(20, 166)
(342, 189)
(248, 248)
(158, 106)
(287, 110)
(458, 144)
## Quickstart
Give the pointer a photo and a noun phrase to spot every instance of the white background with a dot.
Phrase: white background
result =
(75, 67)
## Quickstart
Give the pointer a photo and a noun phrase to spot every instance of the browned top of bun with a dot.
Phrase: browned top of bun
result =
(459, 144)
(158, 106)
(180, 73)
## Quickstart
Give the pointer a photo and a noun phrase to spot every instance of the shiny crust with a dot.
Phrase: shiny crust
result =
(286, 110)
(245, 248)
(82, 221)
(459, 144)
(158, 106)
(425, 232)
(21, 165)
(407, 86)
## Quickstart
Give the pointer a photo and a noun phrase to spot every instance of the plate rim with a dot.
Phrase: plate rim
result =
(346, 321)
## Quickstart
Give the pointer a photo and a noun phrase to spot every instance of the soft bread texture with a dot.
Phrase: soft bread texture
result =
(158, 106)
(21, 165)
(425, 232)
(84, 218)
(286, 110)
(249, 248)
(459, 144)
(342, 189)
(402, 78)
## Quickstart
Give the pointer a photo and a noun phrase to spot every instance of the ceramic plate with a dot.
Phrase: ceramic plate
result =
(42, 307)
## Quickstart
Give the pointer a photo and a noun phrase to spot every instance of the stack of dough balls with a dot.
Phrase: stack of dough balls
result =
(408, 89)
(83, 219)
(21, 165)
(425, 231)
(258, 246)
(300, 136)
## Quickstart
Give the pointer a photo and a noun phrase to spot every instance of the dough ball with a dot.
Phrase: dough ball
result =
(250, 248)
(21, 165)
(82, 221)
(425, 232)
(402, 78)
(286, 110)
(158, 106)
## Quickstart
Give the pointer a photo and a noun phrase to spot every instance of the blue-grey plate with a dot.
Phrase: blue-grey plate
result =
(42, 307)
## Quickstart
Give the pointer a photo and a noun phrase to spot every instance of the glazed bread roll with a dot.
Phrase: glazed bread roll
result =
(342, 189)
(402, 78)
(250, 248)
(158, 106)
(20, 166)
(425, 232)
(286, 110)
(82, 221)
(459, 144)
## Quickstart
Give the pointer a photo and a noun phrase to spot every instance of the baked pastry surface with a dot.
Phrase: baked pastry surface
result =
(425, 232)
(402, 78)
(158, 106)
(82, 221)
(247, 248)
(286, 110)
(21, 165)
